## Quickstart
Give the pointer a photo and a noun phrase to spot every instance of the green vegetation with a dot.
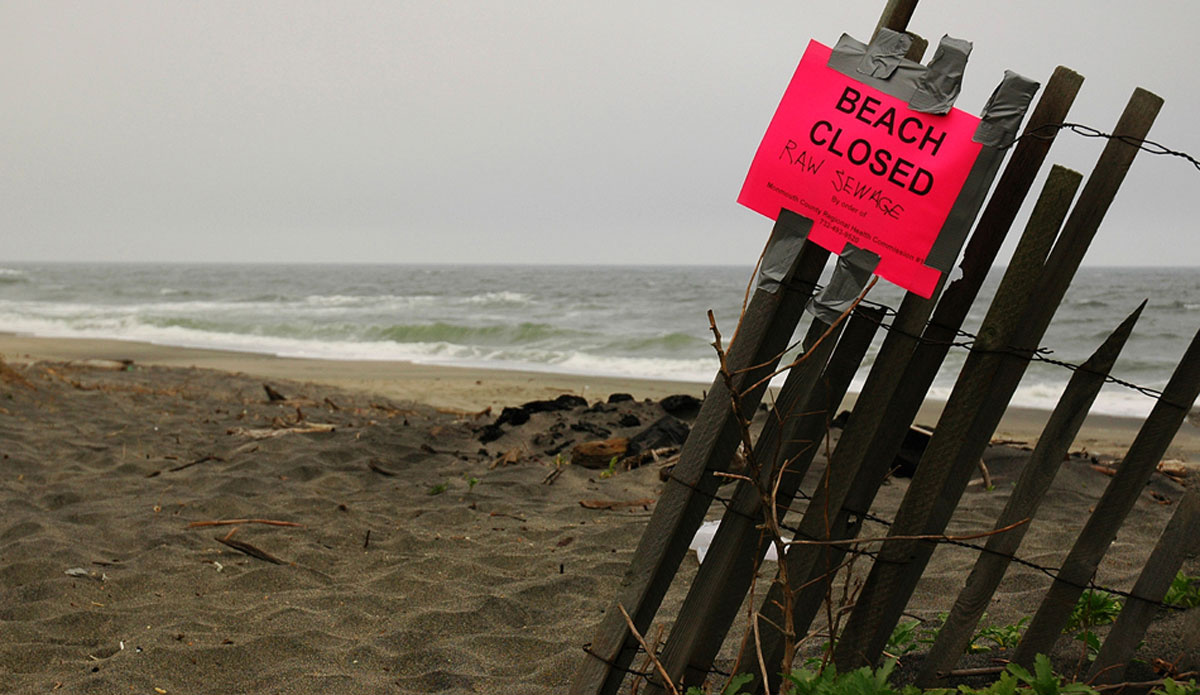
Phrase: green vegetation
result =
(908, 636)
(905, 638)
(735, 686)
(1093, 609)
(1001, 636)
(612, 469)
(825, 680)
(817, 679)
(1184, 591)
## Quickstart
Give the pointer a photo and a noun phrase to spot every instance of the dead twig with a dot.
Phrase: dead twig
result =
(641, 678)
(1145, 684)
(310, 428)
(649, 652)
(552, 476)
(804, 356)
(233, 522)
(202, 459)
(982, 671)
(766, 493)
(987, 476)
(250, 550)
(379, 469)
(508, 516)
(614, 504)
(920, 537)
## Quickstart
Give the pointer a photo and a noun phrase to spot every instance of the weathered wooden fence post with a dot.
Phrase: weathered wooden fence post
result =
(860, 489)
(1178, 540)
(736, 550)
(978, 402)
(679, 513)
(860, 461)
(981, 250)
(790, 270)
(1116, 502)
(1038, 473)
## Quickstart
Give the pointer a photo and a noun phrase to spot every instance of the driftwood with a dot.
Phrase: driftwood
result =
(268, 433)
(614, 504)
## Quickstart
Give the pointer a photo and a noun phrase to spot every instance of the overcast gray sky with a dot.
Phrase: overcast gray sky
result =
(499, 132)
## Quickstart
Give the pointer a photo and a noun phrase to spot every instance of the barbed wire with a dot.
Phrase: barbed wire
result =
(851, 546)
(966, 341)
(1050, 571)
(1037, 354)
(1087, 131)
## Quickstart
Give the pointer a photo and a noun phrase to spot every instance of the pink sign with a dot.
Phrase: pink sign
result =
(867, 169)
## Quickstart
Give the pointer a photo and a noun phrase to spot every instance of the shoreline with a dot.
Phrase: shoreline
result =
(473, 389)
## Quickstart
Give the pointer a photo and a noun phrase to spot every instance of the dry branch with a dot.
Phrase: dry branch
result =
(232, 522)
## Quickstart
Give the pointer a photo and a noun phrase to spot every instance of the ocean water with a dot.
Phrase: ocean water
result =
(638, 321)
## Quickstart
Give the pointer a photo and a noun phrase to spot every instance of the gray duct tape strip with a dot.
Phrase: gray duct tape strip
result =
(884, 54)
(950, 239)
(848, 55)
(785, 243)
(1005, 109)
(851, 273)
(1003, 114)
(942, 82)
(1018, 93)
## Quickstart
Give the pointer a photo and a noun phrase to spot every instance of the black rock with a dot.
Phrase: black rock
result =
(666, 431)
(629, 420)
(490, 433)
(520, 414)
(564, 402)
(513, 416)
(619, 398)
(590, 428)
(570, 402)
(682, 405)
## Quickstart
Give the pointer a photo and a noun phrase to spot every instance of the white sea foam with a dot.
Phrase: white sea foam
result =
(505, 297)
(1112, 400)
(375, 301)
(630, 322)
(127, 323)
(71, 322)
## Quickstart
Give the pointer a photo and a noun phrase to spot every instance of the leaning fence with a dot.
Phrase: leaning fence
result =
(917, 337)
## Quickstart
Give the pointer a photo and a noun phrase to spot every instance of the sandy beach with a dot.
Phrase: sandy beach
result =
(418, 553)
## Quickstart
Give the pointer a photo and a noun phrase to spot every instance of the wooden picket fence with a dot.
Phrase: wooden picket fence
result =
(917, 340)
